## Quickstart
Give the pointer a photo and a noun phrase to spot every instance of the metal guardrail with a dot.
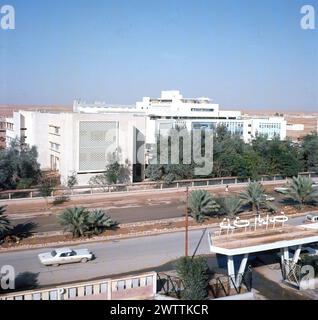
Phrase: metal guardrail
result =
(143, 186)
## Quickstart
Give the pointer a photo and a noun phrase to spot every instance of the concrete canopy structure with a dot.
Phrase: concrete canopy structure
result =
(261, 240)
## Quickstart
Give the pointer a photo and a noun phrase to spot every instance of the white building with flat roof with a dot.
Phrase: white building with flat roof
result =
(80, 141)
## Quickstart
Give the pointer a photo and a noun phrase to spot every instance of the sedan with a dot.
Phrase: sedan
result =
(65, 256)
(312, 217)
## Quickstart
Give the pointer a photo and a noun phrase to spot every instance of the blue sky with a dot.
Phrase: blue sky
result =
(247, 54)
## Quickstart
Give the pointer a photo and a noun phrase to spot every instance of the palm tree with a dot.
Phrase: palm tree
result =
(231, 206)
(201, 204)
(254, 195)
(99, 221)
(75, 220)
(301, 190)
(5, 224)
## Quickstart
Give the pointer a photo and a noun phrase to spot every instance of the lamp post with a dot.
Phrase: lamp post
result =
(187, 224)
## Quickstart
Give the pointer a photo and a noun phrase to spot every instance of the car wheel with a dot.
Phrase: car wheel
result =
(84, 260)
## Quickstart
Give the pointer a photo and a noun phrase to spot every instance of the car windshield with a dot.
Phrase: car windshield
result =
(53, 253)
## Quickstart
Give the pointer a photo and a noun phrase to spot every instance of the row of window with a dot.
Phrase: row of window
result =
(55, 130)
(202, 110)
(55, 146)
(269, 125)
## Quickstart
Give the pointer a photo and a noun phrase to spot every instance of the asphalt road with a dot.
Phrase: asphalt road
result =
(112, 258)
(156, 253)
(48, 223)
(148, 209)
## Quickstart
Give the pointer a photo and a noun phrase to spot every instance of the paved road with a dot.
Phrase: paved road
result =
(116, 257)
(124, 209)
(113, 257)
(47, 223)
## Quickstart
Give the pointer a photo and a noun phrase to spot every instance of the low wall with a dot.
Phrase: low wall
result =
(137, 287)
(80, 191)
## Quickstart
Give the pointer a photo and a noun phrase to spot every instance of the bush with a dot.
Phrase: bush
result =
(194, 274)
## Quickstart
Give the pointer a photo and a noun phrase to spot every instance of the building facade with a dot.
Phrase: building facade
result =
(82, 140)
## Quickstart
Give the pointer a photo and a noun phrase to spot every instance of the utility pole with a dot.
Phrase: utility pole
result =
(187, 224)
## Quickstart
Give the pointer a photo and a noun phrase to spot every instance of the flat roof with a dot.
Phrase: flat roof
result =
(263, 240)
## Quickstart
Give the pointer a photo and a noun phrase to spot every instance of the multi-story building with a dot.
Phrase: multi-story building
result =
(80, 141)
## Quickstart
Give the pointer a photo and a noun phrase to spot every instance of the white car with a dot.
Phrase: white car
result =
(312, 218)
(268, 198)
(65, 256)
(281, 190)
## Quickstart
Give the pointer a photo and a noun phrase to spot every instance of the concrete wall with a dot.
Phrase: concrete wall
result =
(142, 286)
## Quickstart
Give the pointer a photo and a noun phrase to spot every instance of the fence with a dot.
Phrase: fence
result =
(143, 186)
(142, 286)
(219, 287)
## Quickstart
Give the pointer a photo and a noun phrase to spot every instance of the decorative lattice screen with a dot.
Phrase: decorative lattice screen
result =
(96, 140)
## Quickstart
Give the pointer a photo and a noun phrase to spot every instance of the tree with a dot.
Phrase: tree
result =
(75, 220)
(201, 204)
(71, 180)
(310, 152)
(99, 221)
(231, 206)
(301, 190)
(5, 224)
(254, 195)
(193, 272)
(46, 189)
(115, 172)
(18, 165)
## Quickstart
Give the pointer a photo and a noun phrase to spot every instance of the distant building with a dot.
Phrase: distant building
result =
(80, 141)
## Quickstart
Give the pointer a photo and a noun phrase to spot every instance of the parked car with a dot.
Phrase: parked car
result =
(65, 256)
(268, 197)
(310, 251)
(281, 190)
(312, 217)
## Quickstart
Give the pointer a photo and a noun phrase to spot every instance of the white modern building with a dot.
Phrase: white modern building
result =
(80, 141)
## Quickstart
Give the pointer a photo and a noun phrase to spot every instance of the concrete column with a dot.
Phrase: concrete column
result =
(286, 253)
(241, 270)
(231, 269)
(296, 255)
(284, 257)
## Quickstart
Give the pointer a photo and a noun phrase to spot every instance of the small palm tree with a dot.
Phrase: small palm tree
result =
(75, 220)
(100, 221)
(5, 224)
(301, 190)
(254, 195)
(231, 206)
(201, 204)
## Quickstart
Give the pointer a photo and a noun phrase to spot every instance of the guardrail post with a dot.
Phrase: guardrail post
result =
(91, 190)
(31, 194)
(236, 180)
(10, 196)
(177, 185)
